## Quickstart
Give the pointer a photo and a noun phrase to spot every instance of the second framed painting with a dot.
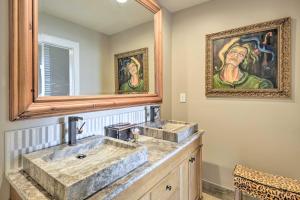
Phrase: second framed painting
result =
(131, 72)
(251, 61)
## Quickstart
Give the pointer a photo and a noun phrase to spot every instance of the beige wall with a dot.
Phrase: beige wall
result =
(260, 133)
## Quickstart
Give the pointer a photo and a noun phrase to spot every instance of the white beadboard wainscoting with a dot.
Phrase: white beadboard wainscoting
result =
(19, 142)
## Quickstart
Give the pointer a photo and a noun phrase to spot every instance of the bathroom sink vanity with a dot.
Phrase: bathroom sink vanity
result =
(172, 171)
(76, 172)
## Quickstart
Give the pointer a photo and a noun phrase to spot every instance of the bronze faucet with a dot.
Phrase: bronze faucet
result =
(73, 130)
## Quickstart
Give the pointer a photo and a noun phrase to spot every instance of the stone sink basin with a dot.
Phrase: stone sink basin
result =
(76, 172)
(174, 131)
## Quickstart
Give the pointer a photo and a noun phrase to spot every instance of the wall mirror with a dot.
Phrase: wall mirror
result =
(71, 56)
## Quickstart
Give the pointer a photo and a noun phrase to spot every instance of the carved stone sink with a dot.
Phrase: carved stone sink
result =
(174, 131)
(76, 172)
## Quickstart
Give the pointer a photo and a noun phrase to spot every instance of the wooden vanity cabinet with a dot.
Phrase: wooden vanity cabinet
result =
(182, 183)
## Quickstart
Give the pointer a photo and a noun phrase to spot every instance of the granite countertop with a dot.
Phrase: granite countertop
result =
(158, 152)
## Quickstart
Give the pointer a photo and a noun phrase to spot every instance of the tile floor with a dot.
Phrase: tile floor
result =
(208, 197)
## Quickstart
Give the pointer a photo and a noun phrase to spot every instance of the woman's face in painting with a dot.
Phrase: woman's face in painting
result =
(236, 55)
(132, 68)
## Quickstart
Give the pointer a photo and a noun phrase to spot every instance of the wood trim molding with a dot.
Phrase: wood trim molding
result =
(24, 101)
(150, 5)
(13, 53)
(158, 32)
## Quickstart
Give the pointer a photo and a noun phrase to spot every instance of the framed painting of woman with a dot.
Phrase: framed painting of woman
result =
(131, 72)
(250, 61)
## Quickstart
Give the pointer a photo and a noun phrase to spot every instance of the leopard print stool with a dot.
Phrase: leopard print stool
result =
(263, 185)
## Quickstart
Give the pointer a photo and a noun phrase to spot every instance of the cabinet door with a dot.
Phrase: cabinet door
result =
(146, 197)
(194, 175)
(168, 188)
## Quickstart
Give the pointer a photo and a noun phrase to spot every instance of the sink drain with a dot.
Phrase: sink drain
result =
(81, 156)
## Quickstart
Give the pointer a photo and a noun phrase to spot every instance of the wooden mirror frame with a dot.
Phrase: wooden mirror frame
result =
(24, 100)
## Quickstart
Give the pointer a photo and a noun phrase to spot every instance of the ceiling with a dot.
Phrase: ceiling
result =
(105, 16)
(108, 16)
(176, 5)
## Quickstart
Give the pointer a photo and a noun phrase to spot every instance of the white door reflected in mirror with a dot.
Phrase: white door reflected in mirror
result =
(95, 48)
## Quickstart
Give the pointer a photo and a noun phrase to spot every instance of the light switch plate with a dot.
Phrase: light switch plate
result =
(182, 98)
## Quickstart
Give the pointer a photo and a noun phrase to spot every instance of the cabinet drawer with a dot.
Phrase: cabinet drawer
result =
(168, 188)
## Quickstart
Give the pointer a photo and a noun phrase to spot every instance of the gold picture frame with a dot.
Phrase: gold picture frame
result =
(270, 45)
(139, 59)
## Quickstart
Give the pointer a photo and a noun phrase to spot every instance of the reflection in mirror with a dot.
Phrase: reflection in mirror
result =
(95, 47)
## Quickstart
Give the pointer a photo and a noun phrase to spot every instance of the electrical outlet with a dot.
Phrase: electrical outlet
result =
(182, 98)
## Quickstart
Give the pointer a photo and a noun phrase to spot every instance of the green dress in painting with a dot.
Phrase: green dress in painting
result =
(247, 81)
(127, 87)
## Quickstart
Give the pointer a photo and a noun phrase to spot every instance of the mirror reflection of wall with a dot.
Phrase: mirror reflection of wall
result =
(78, 41)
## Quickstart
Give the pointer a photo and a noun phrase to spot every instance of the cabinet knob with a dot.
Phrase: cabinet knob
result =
(169, 187)
(192, 159)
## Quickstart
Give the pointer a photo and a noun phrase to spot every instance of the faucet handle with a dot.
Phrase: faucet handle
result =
(80, 130)
(135, 133)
